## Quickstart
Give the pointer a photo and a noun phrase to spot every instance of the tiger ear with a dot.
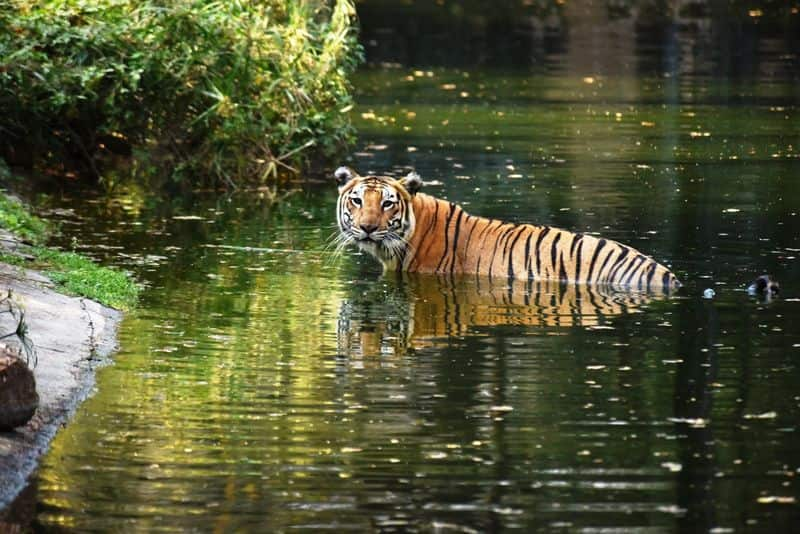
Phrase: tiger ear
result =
(412, 183)
(343, 175)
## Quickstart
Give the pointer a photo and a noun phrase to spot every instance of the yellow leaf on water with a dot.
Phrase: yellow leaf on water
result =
(776, 499)
(765, 415)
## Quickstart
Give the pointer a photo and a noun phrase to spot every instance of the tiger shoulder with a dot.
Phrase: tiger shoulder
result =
(407, 230)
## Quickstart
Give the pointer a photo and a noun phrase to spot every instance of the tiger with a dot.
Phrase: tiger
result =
(407, 230)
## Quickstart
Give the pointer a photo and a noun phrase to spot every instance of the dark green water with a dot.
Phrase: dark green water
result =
(265, 385)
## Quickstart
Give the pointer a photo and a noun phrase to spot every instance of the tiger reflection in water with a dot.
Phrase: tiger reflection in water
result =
(413, 311)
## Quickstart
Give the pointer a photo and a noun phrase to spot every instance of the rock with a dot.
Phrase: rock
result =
(18, 397)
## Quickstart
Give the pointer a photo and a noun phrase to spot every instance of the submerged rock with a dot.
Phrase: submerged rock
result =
(18, 397)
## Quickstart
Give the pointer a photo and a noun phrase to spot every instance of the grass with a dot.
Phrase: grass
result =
(72, 272)
(79, 275)
(225, 91)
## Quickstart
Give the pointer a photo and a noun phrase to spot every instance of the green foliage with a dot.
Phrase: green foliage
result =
(19, 221)
(228, 89)
(79, 275)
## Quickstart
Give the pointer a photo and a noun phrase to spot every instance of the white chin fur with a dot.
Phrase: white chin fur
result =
(368, 246)
(375, 249)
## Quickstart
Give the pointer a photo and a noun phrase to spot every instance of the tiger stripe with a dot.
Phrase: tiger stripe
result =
(539, 240)
(446, 240)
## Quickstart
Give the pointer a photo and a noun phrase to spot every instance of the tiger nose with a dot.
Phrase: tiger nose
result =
(369, 228)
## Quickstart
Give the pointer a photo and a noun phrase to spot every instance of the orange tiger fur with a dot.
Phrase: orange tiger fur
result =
(412, 231)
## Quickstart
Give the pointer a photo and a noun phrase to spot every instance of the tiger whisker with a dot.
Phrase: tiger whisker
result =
(332, 240)
(339, 242)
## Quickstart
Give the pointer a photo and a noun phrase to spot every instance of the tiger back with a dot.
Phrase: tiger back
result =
(410, 231)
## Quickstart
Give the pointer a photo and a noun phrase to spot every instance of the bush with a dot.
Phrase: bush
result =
(232, 90)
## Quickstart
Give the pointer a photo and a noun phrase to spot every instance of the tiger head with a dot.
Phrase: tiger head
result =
(375, 213)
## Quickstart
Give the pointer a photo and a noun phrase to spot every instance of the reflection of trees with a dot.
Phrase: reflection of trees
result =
(423, 33)
(687, 36)
(228, 330)
(235, 405)
(240, 387)
(196, 375)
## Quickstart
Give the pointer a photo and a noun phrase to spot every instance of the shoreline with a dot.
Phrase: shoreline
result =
(73, 336)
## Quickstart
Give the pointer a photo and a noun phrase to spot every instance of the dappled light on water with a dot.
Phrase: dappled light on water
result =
(265, 383)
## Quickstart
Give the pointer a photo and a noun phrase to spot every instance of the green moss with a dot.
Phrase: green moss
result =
(13, 259)
(19, 221)
(79, 275)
